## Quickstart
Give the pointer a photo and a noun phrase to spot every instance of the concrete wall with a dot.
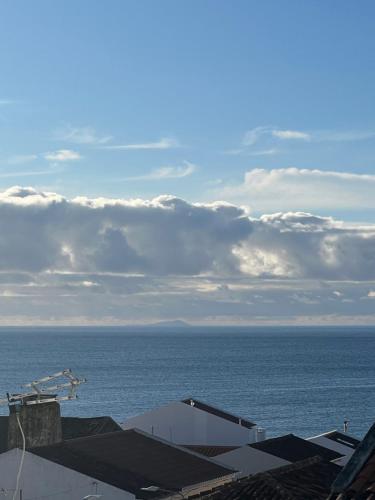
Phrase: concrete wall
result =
(41, 424)
(248, 460)
(44, 479)
(184, 424)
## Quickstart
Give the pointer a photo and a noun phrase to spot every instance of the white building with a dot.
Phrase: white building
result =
(42, 478)
(192, 422)
(116, 465)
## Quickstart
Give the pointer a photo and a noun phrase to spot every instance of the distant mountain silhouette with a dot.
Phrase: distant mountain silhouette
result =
(178, 323)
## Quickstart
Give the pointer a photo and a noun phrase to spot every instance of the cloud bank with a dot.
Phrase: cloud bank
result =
(169, 236)
(131, 260)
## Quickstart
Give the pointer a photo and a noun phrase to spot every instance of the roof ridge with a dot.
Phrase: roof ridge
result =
(209, 405)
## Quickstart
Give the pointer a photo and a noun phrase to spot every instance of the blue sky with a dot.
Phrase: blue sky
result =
(197, 160)
(198, 74)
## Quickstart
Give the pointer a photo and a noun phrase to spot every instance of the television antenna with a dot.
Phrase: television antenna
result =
(42, 391)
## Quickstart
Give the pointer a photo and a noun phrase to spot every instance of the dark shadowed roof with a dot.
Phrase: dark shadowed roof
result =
(218, 413)
(131, 460)
(75, 427)
(209, 451)
(306, 480)
(356, 481)
(342, 438)
(293, 448)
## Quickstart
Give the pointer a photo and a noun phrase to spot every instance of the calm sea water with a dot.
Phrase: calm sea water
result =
(300, 380)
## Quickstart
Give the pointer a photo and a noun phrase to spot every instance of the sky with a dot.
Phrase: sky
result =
(210, 161)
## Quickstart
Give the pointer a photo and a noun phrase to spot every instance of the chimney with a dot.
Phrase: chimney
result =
(261, 434)
(41, 423)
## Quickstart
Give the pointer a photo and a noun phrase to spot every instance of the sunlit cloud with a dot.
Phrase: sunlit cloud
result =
(264, 152)
(81, 135)
(269, 136)
(254, 135)
(301, 189)
(290, 134)
(166, 173)
(107, 261)
(164, 143)
(62, 155)
(28, 173)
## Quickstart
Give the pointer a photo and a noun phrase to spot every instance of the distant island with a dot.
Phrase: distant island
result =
(177, 323)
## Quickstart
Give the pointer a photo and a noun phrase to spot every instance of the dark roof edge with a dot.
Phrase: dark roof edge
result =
(219, 412)
(356, 462)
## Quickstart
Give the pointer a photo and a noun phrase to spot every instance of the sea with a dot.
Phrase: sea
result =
(301, 380)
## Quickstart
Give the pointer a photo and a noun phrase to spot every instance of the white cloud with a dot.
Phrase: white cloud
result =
(164, 143)
(62, 155)
(371, 294)
(81, 135)
(252, 136)
(255, 135)
(112, 260)
(264, 152)
(27, 173)
(301, 189)
(268, 136)
(166, 173)
(290, 134)
(167, 236)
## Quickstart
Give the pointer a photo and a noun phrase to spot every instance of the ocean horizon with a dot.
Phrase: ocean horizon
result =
(302, 380)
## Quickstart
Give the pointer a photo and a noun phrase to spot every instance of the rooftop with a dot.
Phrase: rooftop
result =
(75, 427)
(294, 448)
(305, 480)
(131, 460)
(343, 439)
(209, 451)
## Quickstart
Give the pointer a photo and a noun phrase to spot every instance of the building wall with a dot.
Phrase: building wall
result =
(184, 424)
(44, 479)
(248, 460)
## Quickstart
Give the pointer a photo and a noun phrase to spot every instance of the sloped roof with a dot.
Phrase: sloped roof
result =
(75, 427)
(132, 459)
(343, 439)
(356, 481)
(305, 480)
(209, 451)
(294, 448)
(218, 413)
